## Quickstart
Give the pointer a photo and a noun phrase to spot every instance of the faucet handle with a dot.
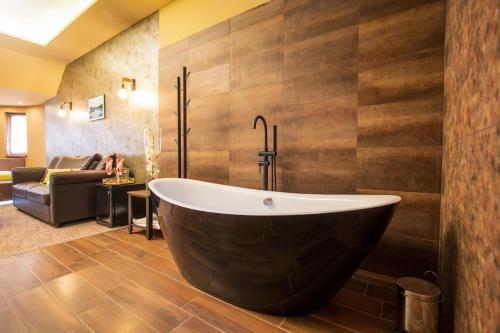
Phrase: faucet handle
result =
(260, 164)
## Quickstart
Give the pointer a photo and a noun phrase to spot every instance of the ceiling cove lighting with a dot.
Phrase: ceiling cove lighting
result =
(39, 21)
(123, 93)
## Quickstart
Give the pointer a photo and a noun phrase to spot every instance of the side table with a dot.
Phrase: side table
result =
(144, 194)
(111, 207)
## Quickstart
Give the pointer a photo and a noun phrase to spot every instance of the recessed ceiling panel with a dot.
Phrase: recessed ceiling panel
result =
(39, 21)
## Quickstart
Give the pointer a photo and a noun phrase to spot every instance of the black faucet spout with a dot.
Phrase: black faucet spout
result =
(264, 124)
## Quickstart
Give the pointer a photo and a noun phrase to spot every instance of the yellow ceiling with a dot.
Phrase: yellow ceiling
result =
(34, 71)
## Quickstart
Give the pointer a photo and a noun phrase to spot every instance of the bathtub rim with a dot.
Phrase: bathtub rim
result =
(391, 199)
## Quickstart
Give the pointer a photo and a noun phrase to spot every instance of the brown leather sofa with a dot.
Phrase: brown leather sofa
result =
(69, 196)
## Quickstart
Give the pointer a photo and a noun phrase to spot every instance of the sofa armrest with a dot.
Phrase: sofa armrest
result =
(22, 175)
(77, 177)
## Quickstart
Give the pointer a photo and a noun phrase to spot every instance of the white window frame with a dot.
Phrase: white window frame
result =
(8, 119)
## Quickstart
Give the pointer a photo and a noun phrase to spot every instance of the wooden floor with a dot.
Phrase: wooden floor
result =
(116, 282)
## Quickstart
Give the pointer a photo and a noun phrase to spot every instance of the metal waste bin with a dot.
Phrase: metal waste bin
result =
(418, 305)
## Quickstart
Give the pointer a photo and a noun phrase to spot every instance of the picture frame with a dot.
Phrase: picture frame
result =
(96, 106)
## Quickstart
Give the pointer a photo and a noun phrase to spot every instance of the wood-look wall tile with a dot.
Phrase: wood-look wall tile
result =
(257, 69)
(216, 52)
(255, 15)
(209, 164)
(319, 17)
(377, 9)
(259, 37)
(207, 119)
(404, 33)
(326, 54)
(323, 91)
(408, 79)
(408, 169)
(214, 32)
(212, 81)
(173, 49)
(417, 214)
(168, 164)
(405, 123)
(402, 256)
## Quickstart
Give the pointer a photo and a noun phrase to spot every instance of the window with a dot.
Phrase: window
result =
(17, 134)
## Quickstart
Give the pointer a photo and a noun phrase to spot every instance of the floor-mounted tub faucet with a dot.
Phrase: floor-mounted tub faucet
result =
(266, 154)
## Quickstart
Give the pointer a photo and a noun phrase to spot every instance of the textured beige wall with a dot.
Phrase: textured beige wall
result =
(36, 132)
(133, 53)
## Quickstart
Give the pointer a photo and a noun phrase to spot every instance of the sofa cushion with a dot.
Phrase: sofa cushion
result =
(21, 188)
(39, 193)
(53, 162)
(89, 162)
(70, 162)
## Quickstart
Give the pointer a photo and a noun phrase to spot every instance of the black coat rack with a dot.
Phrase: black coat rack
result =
(182, 129)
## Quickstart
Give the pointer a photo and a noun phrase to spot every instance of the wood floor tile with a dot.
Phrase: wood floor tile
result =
(310, 324)
(226, 317)
(109, 317)
(15, 278)
(9, 322)
(102, 239)
(155, 310)
(194, 325)
(40, 312)
(86, 246)
(166, 287)
(76, 293)
(102, 277)
(81, 329)
(130, 251)
(65, 254)
(43, 265)
(138, 239)
(165, 266)
(117, 262)
(358, 301)
(353, 319)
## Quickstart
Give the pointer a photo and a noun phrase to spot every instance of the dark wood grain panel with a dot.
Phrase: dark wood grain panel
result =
(407, 79)
(206, 118)
(214, 32)
(261, 36)
(326, 53)
(263, 12)
(213, 53)
(315, 18)
(411, 32)
(212, 81)
(213, 165)
(403, 256)
(377, 9)
(405, 123)
(408, 169)
(417, 214)
(257, 69)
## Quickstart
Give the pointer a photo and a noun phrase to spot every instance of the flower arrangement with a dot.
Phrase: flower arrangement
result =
(152, 148)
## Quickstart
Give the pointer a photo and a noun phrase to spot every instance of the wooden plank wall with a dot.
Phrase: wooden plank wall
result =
(356, 89)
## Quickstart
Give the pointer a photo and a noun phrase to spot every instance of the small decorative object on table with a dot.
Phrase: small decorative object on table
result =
(152, 148)
(122, 174)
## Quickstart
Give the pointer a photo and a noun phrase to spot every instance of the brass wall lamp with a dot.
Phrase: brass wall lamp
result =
(123, 93)
(64, 108)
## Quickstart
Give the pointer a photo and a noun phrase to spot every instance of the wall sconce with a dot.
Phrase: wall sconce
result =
(123, 93)
(64, 108)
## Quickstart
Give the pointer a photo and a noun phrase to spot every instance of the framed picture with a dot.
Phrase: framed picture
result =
(96, 108)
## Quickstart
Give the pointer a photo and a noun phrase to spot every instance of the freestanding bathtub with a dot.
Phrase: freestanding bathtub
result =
(272, 252)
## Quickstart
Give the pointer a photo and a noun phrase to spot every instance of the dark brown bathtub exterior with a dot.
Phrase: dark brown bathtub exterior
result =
(281, 265)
